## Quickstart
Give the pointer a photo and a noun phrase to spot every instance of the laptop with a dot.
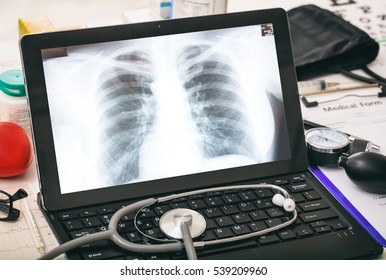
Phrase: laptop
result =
(123, 113)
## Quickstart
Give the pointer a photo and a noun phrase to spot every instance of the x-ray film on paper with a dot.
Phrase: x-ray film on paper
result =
(153, 108)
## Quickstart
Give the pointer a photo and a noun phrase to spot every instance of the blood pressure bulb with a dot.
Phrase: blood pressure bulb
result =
(367, 170)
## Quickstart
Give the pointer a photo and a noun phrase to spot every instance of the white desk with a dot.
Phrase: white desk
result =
(79, 12)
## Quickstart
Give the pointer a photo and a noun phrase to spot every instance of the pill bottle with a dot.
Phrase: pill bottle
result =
(191, 8)
(13, 101)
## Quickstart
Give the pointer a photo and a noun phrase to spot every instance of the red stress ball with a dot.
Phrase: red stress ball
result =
(16, 151)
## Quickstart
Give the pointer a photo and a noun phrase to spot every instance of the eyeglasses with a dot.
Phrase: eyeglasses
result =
(7, 211)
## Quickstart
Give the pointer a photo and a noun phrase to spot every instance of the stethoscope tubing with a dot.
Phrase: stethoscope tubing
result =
(172, 246)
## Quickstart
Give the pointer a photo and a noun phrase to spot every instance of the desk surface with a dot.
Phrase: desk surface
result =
(97, 12)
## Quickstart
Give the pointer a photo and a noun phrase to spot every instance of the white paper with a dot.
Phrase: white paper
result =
(363, 117)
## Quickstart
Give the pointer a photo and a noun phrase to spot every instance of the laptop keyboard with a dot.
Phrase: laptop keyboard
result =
(227, 214)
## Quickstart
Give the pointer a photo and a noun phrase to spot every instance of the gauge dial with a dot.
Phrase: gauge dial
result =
(327, 139)
(325, 145)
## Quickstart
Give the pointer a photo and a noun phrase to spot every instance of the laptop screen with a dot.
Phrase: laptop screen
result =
(159, 107)
(138, 110)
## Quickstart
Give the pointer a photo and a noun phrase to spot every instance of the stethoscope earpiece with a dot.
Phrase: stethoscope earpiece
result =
(287, 203)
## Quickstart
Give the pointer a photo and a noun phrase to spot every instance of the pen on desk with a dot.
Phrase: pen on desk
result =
(373, 147)
(322, 86)
(33, 228)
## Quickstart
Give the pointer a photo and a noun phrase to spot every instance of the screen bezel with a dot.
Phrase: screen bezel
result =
(32, 45)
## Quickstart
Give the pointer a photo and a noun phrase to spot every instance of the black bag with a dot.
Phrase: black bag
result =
(324, 43)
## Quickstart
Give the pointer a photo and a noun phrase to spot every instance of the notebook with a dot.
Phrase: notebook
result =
(122, 113)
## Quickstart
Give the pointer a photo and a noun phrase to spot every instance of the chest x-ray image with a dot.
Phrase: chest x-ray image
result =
(152, 108)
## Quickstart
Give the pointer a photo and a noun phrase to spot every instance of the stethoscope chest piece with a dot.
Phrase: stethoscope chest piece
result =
(170, 222)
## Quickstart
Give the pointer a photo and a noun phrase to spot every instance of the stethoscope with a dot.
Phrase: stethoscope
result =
(177, 224)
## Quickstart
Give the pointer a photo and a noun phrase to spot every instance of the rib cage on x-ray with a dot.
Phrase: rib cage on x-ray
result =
(126, 113)
(216, 105)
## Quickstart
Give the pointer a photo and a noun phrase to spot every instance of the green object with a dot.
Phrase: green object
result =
(12, 83)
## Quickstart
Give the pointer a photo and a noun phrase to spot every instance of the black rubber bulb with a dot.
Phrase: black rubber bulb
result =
(367, 170)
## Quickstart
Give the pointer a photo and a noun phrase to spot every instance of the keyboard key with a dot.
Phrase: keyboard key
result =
(287, 218)
(146, 213)
(287, 234)
(208, 235)
(160, 210)
(214, 201)
(298, 197)
(197, 204)
(281, 182)
(103, 253)
(304, 232)
(106, 218)
(240, 229)
(317, 215)
(197, 196)
(213, 212)
(323, 229)
(258, 215)
(182, 204)
(247, 196)
(91, 222)
(231, 191)
(275, 212)
(257, 226)
(73, 225)
(311, 195)
(229, 209)
(143, 224)
(80, 233)
(295, 188)
(125, 227)
(210, 224)
(128, 217)
(180, 199)
(264, 193)
(134, 237)
(264, 204)
(102, 228)
(67, 216)
(297, 179)
(241, 218)
(267, 239)
(100, 244)
(84, 214)
(213, 193)
(339, 226)
(223, 233)
(155, 221)
(106, 210)
(224, 221)
(154, 233)
(318, 224)
(231, 198)
(313, 205)
(273, 222)
(246, 206)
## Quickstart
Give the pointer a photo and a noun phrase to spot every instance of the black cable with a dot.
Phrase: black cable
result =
(376, 79)
(371, 73)
(358, 77)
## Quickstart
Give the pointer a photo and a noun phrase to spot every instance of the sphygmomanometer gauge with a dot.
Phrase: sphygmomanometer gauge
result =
(325, 145)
